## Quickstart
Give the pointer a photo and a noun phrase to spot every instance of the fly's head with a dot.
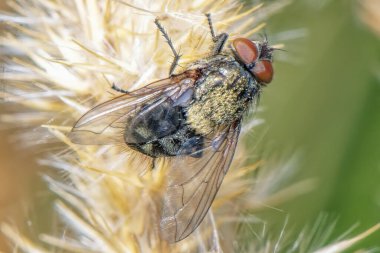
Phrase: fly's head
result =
(256, 56)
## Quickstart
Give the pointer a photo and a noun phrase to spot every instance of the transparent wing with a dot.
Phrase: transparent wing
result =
(193, 184)
(105, 123)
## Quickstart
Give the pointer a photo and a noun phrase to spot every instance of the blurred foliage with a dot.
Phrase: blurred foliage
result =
(324, 103)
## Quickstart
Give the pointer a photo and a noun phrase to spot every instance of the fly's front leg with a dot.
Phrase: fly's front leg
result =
(219, 40)
(169, 41)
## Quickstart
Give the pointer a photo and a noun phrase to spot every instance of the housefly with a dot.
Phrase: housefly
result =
(193, 119)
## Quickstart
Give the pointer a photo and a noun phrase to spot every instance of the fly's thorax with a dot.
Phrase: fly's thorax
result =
(222, 94)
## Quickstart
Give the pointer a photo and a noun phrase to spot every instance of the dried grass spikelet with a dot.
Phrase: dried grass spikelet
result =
(60, 58)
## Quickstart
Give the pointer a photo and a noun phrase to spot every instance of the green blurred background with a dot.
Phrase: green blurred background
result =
(325, 104)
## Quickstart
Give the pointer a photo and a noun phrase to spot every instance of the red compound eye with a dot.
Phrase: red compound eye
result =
(263, 71)
(246, 50)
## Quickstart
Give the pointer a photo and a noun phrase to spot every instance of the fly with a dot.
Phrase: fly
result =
(193, 119)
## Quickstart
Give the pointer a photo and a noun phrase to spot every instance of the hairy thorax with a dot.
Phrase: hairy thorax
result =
(222, 94)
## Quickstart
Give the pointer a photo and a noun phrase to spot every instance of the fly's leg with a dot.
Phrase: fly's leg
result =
(118, 89)
(219, 40)
(169, 41)
(153, 166)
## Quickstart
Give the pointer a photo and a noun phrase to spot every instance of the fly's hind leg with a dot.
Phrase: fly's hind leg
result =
(118, 89)
(153, 165)
(170, 43)
(219, 40)
(150, 167)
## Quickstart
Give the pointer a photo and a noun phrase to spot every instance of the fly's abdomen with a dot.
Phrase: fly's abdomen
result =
(153, 122)
(160, 129)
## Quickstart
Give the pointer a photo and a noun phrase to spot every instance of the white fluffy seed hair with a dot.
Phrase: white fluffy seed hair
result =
(60, 59)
